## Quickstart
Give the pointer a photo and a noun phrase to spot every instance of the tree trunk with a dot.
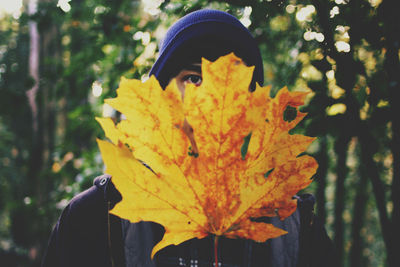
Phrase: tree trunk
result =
(377, 187)
(42, 102)
(392, 68)
(341, 171)
(33, 65)
(322, 158)
(359, 209)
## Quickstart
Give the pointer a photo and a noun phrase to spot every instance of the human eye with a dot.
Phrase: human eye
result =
(193, 78)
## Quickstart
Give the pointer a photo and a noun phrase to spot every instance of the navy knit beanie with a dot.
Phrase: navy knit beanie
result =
(209, 34)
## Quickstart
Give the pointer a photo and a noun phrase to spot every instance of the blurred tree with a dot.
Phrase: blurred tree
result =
(354, 45)
(345, 52)
(15, 135)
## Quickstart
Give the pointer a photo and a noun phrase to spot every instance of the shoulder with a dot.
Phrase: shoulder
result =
(80, 236)
(93, 203)
(91, 198)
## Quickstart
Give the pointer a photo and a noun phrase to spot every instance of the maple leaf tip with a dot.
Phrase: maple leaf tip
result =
(153, 79)
(98, 119)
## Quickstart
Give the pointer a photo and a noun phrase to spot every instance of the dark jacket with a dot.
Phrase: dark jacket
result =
(87, 235)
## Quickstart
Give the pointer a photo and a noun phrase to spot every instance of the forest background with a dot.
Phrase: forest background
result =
(60, 59)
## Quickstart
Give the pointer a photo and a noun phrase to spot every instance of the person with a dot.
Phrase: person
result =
(86, 234)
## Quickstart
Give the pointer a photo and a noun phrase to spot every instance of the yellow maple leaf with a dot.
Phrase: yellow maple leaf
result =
(222, 189)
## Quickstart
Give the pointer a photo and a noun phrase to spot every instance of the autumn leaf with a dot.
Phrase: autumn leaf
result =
(248, 165)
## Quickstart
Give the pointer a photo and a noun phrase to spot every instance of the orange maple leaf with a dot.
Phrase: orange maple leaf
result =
(220, 191)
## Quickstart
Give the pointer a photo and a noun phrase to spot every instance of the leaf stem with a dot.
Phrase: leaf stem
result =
(216, 250)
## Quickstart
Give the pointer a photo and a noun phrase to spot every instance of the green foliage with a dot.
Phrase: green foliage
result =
(336, 49)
